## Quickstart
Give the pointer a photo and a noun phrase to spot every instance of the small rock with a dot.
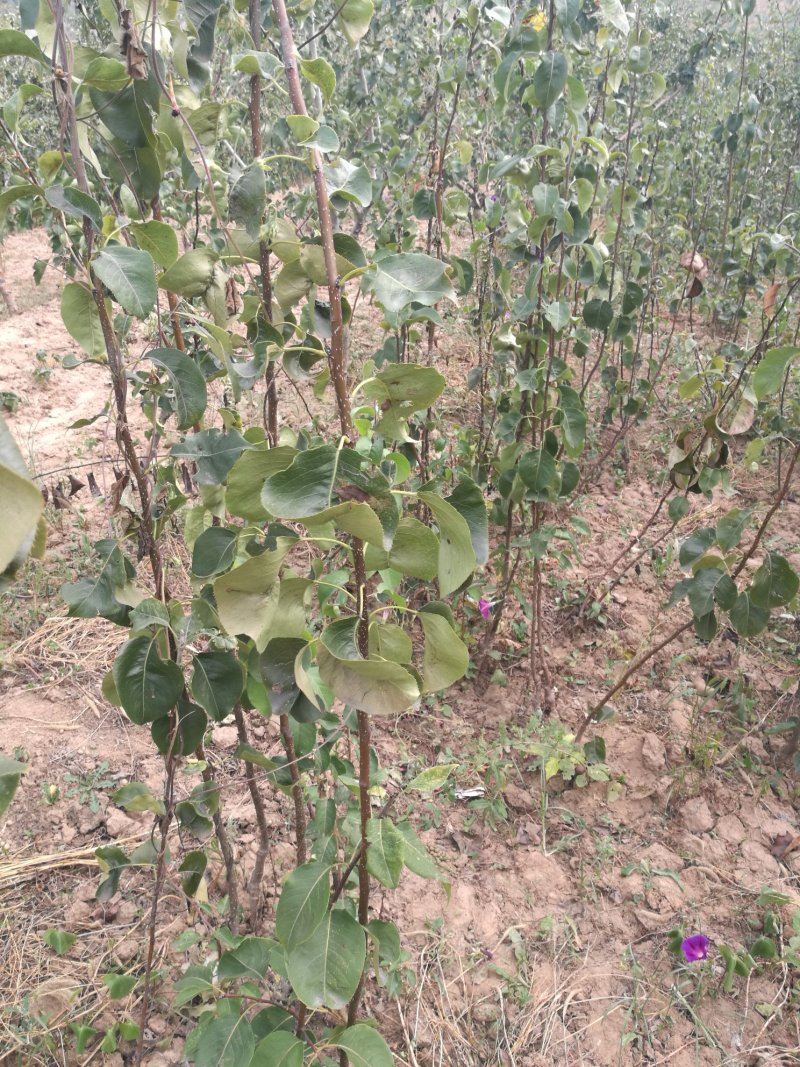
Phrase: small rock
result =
(114, 1060)
(79, 913)
(652, 920)
(518, 799)
(731, 829)
(68, 832)
(760, 860)
(85, 891)
(679, 714)
(118, 824)
(127, 911)
(696, 816)
(126, 950)
(89, 821)
(158, 1024)
(654, 754)
(226, 736)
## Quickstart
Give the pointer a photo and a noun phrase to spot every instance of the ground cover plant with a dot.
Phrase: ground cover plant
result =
(399, 448)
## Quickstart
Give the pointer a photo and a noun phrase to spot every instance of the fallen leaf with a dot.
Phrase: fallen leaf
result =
(770, 295)
(783, 844)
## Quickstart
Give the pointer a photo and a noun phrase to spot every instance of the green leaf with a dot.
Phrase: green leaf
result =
(469, 502)
(17, 192)
(406, 383)
(74, 203)
(187, 381)
(148, 612)
(60, 941)
(291, 285)
(378, 687)
(192, 724)
(278, 1049)
(731, 527)
(157, 238)
(190, 275)
(770, 372)
(445, 658)
(354, 19)
(247, 596)
(250, 959)
(364, 1047)
(389, 641)
(558, 314)
(305, 489)
(247, 476)
(130, 275)
(252, 755)
(302, 126)
(695, 546)
(598, 314)
(613, 12)
(349, 183)
(432, 778)
(148, 686)
(192, 869)
(119, 985)
(22, 507)
(747, 618)
(303, 903)
(385, 852)
(550, 79)
(248, 199)
(408, 277)
(415, 550)
(709, 587)
(14, 43)
(457, 558)
(82, 319)
(321, 74)
(537, 469)
(677, 508)
(227, 1042)
(198, 981)
(217, 682)
(214, 552)
(325, 970)
(415, 856)
(135, 796)
(775, 582)
(89, 597)
(573, 420)
(213, 451)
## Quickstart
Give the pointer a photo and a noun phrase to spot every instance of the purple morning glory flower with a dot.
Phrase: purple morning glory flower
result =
(485, 607)
(695, 948)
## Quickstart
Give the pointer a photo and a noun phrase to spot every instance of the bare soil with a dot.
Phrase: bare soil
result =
(552, 947)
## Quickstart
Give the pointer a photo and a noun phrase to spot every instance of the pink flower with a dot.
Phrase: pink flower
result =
(485, 607)
(695, 948)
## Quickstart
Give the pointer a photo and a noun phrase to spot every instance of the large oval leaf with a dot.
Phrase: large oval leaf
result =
(550, 78)
(148, 686)
(364, 1047)
(187, 381)
(303, 903)
(457, 558)
(130, 275)
(325, 970)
